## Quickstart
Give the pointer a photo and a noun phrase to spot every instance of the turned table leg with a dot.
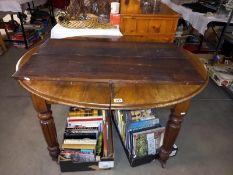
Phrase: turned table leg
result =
(172, 130)
(47, 125)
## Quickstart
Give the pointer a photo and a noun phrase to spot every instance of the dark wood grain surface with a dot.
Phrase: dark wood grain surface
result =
(103, 61)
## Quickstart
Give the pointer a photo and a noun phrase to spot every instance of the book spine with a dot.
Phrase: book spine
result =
(79, 146)
(80, 141)
(143, 124)
(105, 138)
(80, 136)
(84, 119)
(83, 124)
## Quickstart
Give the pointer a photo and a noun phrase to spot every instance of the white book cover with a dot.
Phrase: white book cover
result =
(80, 141)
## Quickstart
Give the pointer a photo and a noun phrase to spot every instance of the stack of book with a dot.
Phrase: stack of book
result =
(87, 143)
(83, 136)
(32, 36)
(141, 134)
(38, 27)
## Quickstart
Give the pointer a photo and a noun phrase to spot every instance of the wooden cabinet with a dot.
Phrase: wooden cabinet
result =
(159, 26)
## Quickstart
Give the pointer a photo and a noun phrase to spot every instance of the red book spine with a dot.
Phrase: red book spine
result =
(85, 120)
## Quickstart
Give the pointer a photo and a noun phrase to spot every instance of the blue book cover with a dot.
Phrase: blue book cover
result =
(142, 124)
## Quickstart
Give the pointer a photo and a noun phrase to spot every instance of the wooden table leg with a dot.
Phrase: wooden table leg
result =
(172, 130)
(47, 125)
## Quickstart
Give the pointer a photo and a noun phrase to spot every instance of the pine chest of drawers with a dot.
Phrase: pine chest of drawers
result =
(158, 26)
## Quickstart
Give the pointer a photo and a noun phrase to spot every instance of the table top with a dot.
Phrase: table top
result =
(110, 62)
(103, 74)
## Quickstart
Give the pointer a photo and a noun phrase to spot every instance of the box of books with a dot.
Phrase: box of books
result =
(141, 134)
(88, 142)
(222, 75)
(230, 87)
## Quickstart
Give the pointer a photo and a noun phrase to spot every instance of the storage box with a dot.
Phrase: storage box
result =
(105, 162)
(68, 166)
(136, 161)
(221, 74)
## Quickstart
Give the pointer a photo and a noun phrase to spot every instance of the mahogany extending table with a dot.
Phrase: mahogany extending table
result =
(111, 74)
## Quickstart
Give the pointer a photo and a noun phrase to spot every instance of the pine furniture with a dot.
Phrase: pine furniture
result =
(159, 26)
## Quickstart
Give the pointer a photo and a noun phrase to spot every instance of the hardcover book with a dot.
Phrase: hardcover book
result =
(77, 112)
(80, 141)
(78, 146)
(78, 156)
(92, 134)
(147, 142)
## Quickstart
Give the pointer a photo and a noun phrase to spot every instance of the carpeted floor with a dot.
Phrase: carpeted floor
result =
(205, 141)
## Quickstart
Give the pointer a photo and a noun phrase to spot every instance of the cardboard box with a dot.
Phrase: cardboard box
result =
(100, 163)
(221, 74)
